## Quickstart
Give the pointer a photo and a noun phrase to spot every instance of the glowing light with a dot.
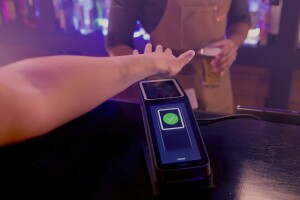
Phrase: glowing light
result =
(252, 36)
(253, 5)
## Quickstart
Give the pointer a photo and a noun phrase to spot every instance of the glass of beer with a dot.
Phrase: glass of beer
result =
(209, 77)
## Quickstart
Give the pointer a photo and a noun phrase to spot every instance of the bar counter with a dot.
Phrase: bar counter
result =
(99, 156)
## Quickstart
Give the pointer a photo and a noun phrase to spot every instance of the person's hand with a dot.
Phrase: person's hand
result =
(165, 63)
(226, 57)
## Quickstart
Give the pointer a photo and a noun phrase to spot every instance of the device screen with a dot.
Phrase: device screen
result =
(174, 136)
(174, 132)
(160, 89)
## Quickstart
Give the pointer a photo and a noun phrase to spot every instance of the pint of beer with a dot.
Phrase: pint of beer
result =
(209, 77)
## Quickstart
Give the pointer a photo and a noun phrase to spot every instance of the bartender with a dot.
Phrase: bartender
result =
(182, 25)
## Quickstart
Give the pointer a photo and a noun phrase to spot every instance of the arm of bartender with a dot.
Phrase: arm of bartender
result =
(40, 94)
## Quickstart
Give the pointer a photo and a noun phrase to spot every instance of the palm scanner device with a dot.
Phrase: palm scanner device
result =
(174, 149)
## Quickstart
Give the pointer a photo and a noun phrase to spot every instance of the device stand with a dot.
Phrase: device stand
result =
(203, 186)
(155, 190)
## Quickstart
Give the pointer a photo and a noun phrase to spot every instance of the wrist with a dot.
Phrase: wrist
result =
(137, 67)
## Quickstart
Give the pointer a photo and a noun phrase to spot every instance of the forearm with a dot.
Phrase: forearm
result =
(86, 79)
(63, 88)
(130, 94)
(237, 33)
(40, 94)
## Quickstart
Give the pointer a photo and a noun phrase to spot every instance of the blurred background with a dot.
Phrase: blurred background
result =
(265, 74)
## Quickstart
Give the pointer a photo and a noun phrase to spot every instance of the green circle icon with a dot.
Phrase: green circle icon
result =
(170, 118)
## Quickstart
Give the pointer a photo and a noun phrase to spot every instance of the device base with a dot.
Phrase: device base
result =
(202, 187)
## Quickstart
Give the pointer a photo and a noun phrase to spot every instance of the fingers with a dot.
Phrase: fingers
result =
(225, 63)
(135, 52)
(183, 59)
(225, 59)
(166, 63)
(168, 51)
(148, 48)
(159, 49)
(186, 57)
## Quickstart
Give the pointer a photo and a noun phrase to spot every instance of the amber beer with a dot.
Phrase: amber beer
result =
(209, 77)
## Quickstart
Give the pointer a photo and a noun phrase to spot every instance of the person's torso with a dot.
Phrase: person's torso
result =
(190, 24)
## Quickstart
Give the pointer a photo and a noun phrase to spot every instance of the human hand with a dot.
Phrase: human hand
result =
(164, 62)
(226, 57)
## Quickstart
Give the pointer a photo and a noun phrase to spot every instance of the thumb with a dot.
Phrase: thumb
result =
(185, 57)
(135, 52)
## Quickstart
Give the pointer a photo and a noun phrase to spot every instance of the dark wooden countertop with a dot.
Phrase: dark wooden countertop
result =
(99, 156)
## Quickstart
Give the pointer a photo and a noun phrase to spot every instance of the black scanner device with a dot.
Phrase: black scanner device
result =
(174, 149)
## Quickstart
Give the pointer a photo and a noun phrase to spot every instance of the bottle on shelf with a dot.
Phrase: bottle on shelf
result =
(1, 16)
(84, 16)
(28, 11)
(91, 15)
(19, 13)
(75, 16)
(264, 21)
(1, 13)
(63, 11)
(299, 34)
(265, 17)
(9, 12)
(275, 15)
(102, 9)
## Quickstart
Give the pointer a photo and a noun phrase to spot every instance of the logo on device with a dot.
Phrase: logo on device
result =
(170, 118)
